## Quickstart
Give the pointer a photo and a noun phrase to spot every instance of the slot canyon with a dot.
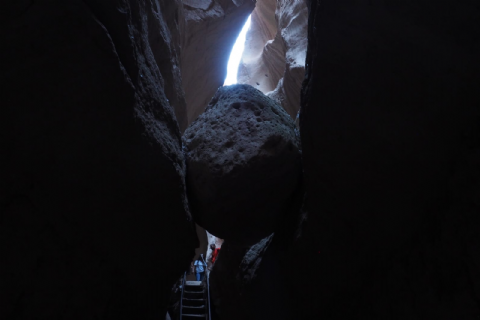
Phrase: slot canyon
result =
(341, 175)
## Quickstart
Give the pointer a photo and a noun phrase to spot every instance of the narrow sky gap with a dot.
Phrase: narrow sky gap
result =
(236, 55)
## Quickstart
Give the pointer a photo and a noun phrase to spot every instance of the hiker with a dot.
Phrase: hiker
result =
(200, 268)
(214, 252)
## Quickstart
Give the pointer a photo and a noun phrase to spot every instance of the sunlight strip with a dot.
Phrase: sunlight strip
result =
(236, 55)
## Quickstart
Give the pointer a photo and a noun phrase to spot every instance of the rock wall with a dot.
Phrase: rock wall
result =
(248, 282)
(391, 147)
(211, 30)
(274, 57)
(92, 194)
(203, 243)
(218, 244)
(391, 143)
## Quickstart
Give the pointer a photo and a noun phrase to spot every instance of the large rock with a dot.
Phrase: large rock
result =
(243, 163)
(274, 57)
(93, 211)
(211, 29)
(390, 137)
(248, 282)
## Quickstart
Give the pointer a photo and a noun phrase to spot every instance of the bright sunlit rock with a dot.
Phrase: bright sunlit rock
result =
(236, 55)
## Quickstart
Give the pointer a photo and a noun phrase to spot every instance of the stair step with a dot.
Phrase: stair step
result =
(186, 316)
(194, 292)
(193, 302)
(195, 307)
(194, 295)
(194, 288)
(194, 310)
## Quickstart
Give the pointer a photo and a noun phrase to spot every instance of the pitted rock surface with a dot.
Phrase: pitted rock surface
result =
(243, 163)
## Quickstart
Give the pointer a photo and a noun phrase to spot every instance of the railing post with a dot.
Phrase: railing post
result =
(208, 293)
(207, 276)
(181, 297)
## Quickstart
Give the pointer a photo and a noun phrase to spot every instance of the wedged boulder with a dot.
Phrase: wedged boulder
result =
(92, 191)
(243, 165)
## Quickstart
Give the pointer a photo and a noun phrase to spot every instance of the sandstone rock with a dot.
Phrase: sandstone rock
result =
(250, 263)
(243, 165)
(263, 59)
(203, 243)
(92, 192)
(211, 30)
(249, 282)
(389, 111)
(218, 244)
(275, 49)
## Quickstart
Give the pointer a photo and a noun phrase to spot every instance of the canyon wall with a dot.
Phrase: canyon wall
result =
(94, 220)
(92, 193)
(274, 57)
(391, 150)
(211, 30)
(249, 282)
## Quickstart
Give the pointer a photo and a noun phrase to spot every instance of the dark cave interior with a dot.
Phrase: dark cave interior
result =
(343, 171)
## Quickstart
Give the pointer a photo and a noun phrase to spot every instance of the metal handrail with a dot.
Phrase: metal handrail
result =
(208, 295)
(181, 298)
(207, 276)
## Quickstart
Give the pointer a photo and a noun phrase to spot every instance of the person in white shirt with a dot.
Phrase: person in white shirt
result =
(200, 268)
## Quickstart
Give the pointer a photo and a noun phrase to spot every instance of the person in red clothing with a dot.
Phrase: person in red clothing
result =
(214, 252)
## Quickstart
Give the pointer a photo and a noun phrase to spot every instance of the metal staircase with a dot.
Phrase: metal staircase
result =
(195, 299)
